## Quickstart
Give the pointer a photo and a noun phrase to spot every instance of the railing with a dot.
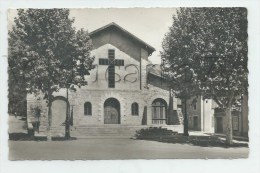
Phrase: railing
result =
(159, 120)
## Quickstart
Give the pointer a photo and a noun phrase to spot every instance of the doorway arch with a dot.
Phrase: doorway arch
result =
(111, 111)
(58, 109)
(159, 111)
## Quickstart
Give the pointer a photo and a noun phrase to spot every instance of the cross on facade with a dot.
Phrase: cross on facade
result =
(111, 62)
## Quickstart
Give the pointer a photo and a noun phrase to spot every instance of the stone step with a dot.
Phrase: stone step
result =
(104, 137)
(104, 131)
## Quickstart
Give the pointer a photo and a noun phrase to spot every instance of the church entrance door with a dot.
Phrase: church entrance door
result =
(111, 111)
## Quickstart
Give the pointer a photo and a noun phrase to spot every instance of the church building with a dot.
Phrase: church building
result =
(124, 91)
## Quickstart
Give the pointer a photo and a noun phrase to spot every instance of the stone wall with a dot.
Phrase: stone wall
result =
(121, 41)
(128, 77)
(97, 98)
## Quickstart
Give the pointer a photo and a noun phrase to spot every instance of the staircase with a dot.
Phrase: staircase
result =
(105, 131)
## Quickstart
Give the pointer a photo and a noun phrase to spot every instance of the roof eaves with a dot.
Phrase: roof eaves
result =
(149, 47)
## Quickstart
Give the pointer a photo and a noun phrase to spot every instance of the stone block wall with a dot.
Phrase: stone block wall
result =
(97, 98)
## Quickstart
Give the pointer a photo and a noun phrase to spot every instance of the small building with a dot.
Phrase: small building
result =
(239, 119)
(201, 114)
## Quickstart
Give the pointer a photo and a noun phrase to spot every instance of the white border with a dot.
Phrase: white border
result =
(252, 164)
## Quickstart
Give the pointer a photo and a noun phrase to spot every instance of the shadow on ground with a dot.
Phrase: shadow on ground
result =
(202, 141)
(26, 137)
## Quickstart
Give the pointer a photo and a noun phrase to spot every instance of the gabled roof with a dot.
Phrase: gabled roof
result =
(113, 25)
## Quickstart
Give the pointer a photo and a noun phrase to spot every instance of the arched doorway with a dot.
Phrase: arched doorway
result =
(111, 111)
(159, 111)
(58, 108)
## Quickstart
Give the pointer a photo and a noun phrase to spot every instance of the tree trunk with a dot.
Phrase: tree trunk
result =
(49, 119)
(186, 124)
(67, 122)
(229, 132)
(170, 115)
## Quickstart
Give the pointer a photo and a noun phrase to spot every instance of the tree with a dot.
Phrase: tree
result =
(216, 42)
(177, 63)
(48, 53)
(17, 94)
(181, 85)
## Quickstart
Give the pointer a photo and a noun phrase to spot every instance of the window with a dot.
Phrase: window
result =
(87, 108)
(235, 122)
(194, 104)
(135, 109)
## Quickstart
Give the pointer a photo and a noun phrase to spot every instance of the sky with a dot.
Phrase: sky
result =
(148, 24)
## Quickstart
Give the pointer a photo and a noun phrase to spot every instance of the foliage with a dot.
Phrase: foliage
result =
(36, 110)
(195, 140)
(152, 132)
(46, 52)
(17, 96)
(210, 46)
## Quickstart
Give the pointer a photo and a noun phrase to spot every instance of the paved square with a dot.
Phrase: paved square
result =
(98, 149)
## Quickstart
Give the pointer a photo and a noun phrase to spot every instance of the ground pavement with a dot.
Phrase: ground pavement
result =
(98, 149)
(85, 149)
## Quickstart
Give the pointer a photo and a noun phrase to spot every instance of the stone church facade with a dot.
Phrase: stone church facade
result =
(123, 89)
